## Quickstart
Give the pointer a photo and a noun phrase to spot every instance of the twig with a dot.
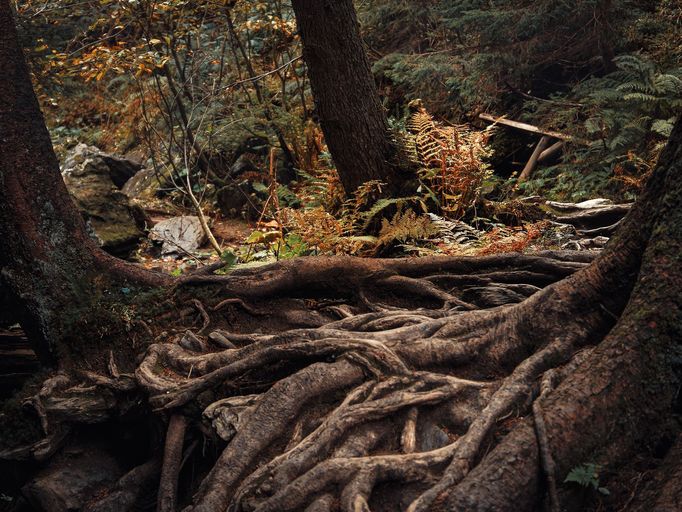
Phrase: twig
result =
(262, 75)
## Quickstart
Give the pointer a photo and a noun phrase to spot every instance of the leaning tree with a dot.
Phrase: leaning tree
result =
(328, 384)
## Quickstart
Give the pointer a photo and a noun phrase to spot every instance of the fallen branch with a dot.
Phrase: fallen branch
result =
(534, 159)
(530, 128)
(551, 151)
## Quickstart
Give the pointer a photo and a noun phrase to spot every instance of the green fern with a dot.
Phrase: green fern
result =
(366, 218)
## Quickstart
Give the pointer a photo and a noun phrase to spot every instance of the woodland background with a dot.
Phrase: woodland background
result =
(200, 92)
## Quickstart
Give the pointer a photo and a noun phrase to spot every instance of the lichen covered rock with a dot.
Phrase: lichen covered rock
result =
(92, 179)
(178, 235)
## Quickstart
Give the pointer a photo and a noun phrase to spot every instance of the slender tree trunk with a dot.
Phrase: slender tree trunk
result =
(352, 117)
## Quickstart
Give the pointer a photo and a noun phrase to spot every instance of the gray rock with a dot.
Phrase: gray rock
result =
(178, 235)
(111, 219)
(431, 437)
(144, 183)
(120, 169)
(72, 479)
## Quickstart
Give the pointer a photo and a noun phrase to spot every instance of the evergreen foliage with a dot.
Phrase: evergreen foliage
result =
(605, 70)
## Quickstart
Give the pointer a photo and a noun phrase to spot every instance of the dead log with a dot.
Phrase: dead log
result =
(533, 160)
(551, 152)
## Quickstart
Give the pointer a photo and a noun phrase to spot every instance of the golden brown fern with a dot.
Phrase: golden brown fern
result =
(450, 160)
(406, 227)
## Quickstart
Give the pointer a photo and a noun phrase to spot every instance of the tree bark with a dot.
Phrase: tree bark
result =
(352, 117)
(49, 263)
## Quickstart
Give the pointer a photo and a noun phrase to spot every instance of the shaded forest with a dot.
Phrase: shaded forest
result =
(340, 256)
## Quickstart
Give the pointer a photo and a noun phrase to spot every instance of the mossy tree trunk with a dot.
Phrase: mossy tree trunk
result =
(49, 263)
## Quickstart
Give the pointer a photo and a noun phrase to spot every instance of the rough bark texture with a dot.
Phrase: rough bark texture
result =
(48, 261)
(414, 384)
(350, 112)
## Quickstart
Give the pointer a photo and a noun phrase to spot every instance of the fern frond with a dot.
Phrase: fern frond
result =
(450, 160)
(378, 207)
(406, 227)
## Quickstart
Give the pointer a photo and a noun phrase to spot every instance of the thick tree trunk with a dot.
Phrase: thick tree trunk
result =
(352, 117)
(49, 263)
(617, 400)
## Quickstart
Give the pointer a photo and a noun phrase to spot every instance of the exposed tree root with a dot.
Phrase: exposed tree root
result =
(172, 458)
(389, 364)
(453, 380)
(380, 385)
(546, 457)
(342, 409)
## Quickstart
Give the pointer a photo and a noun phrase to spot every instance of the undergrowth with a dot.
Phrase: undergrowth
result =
(444, 215)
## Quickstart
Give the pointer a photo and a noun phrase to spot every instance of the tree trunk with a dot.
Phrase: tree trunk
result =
(352, 117)
(49, 263)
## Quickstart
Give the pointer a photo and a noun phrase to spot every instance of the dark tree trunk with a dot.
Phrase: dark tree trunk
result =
(49, 263)
(352, 117)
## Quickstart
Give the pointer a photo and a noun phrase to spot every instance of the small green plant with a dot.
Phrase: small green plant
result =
(229, 258)
(587, 475)
(293, 246)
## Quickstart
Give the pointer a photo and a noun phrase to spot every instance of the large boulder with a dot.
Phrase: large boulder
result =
(120, 169)
(79, 473)
(93, 180)
(178, 235)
